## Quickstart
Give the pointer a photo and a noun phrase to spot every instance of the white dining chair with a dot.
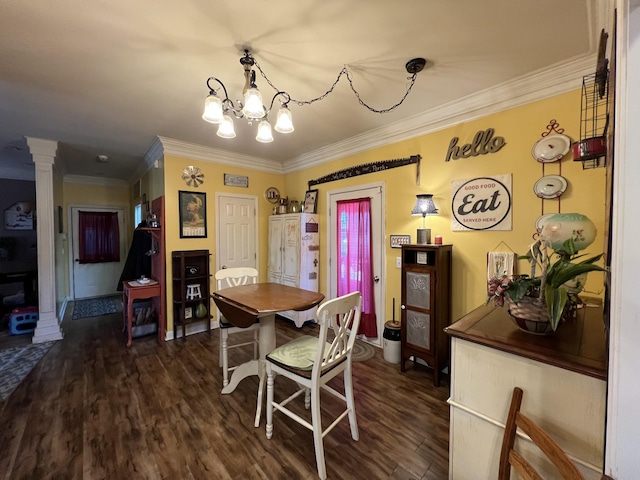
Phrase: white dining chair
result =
(233, 277)
(311, 362)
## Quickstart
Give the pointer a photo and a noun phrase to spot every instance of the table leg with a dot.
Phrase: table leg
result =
(124, 309)
(129, 320)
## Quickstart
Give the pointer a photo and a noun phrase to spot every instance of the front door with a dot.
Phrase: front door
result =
(95, 279)
(236, 228)
(376, 193)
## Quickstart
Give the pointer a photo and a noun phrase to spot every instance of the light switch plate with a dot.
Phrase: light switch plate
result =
(398, 262)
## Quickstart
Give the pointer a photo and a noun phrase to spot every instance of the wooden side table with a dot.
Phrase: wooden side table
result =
(133, 290)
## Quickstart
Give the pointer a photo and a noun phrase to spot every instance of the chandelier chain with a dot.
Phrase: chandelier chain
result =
(344, 72)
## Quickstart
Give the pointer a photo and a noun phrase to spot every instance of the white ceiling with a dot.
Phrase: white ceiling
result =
(107, 77)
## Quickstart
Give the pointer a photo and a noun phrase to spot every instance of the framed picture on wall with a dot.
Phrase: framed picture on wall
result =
(193, 214)
(310, 201)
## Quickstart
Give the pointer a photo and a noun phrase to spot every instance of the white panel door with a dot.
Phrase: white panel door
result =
(236, 231)
(96, 279)
(376, 193)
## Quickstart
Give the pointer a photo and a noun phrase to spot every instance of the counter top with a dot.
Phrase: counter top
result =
(578, 345)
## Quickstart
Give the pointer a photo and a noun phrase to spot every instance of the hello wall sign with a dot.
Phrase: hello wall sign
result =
(483, 142)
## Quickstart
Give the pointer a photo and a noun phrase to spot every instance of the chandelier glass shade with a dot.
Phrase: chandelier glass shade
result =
(264, 132)
(284, 123)
(253, 104)
(213, 111)
(220, 111)
(226, 130)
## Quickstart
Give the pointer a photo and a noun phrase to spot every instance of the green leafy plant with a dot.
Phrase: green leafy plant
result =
(551, 287)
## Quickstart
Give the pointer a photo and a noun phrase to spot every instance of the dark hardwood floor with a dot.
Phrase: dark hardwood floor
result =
(93, 409)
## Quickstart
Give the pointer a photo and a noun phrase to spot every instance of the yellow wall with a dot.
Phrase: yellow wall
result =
(213, 183)
(521, 127)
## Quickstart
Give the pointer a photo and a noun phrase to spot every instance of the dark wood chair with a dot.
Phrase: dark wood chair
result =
(511, 458)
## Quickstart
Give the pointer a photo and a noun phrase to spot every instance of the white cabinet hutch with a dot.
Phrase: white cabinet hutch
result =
(294, 256)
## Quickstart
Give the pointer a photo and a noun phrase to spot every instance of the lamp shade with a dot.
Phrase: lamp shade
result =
(284, 123)
(253, 107)
(560, 227)
(424, 205)
(264, 132)
(226, 130)
(213, 109)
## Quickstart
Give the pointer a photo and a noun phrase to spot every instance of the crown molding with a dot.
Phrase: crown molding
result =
(214, 155)
(529, 88)
(154, 153)
(151, 158)
(86, 180)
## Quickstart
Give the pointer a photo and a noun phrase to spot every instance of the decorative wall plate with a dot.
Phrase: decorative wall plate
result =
(551, 148)
(192, 176)
(550, 186)
(272, 194)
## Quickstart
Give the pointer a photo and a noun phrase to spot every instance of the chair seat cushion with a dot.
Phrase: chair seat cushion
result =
(299, 353)
(224, 323)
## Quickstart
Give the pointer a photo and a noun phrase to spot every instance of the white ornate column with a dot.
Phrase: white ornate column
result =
(43, 153)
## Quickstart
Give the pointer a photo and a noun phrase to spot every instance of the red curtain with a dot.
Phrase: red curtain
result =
(355, 258)
(99, 237)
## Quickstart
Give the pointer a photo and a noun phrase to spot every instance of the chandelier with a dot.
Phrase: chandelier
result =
(220, 110)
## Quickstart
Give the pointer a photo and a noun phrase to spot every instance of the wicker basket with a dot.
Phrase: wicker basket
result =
(530, 316)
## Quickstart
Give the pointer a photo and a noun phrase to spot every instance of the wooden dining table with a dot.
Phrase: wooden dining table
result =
(245, 304)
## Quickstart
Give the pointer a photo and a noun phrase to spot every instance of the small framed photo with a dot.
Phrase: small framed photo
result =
(193, 214)
(310, 201)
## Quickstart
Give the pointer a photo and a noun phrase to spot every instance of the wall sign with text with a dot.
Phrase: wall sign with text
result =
(483, 142)
(482, 203)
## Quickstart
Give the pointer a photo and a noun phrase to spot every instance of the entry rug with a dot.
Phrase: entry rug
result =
(16, 363)
(362, 351)
(92, 307)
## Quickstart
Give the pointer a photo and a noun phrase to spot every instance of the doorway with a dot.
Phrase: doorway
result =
(236, 227)
(94, 279)
(374, 191)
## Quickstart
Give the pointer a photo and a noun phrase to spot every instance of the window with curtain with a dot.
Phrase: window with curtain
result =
(355, 258)
(98, 237)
